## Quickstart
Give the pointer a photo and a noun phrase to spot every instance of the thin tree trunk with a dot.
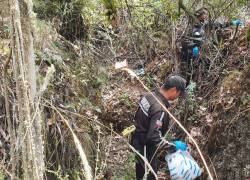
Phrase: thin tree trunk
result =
(27, 29)
(29, 131)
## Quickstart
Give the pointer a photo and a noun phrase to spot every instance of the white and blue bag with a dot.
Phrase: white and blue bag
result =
(182, 166)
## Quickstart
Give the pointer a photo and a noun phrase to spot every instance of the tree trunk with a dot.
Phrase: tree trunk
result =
(29, 130)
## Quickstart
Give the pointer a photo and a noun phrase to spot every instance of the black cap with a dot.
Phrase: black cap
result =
(178, 82)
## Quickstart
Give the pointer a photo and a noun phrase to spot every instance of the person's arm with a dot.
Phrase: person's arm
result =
(154, 135)
(217, 25)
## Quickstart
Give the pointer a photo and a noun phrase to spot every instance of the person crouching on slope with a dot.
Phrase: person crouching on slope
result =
(151, 122)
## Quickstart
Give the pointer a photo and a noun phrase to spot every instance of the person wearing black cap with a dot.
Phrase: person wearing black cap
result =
(151, 121)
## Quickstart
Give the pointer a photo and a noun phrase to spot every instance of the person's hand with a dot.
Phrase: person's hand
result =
(180, 145)
(196, 52)
(164, 143)
(236, 22)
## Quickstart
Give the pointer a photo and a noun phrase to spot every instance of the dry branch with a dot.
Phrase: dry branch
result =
(87, 168)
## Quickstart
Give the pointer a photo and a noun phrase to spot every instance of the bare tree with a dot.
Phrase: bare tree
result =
(29, 131)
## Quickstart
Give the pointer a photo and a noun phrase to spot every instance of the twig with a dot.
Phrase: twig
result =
(55, 173)
(97, 151)
(216, 177)
(226, 8)
(236, 30)
(129, 12)
(238, 115)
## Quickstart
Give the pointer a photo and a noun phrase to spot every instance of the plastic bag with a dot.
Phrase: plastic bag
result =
(182, 166)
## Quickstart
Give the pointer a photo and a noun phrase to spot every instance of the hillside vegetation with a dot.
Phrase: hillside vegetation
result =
(63, 105)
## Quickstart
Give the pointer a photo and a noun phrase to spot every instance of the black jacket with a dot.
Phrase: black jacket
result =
(198, 31)
(151, 121)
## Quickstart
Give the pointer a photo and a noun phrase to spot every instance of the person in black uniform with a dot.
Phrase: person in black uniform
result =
(151, 122)
(192, 43)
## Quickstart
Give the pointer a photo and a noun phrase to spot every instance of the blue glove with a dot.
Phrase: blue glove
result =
(195, 52)
(180, 145)
(236, 22)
